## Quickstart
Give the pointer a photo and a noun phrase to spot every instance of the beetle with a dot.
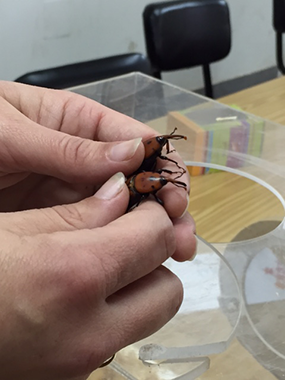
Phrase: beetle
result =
(142, 184)
(153, 150)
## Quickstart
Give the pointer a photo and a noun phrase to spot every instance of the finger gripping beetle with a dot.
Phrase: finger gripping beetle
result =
(153, 150)
(141, 185)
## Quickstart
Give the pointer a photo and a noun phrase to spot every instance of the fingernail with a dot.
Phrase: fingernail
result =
(112, 187)
(125, 150)
(195, 252)
(186, 209)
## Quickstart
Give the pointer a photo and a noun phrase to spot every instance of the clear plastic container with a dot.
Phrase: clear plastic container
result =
(235, 291)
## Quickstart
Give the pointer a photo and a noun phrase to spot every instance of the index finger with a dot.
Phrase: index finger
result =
(72, 113)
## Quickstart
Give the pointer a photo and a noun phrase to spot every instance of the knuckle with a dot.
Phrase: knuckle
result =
(110, 269)
(76, 151)
(155, 229)
(81, 285)
(178, 289)
(168, 237)
(162, 233)
(175, 291)
(69, 215)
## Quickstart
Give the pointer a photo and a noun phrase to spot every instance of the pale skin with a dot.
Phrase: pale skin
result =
(80, 278)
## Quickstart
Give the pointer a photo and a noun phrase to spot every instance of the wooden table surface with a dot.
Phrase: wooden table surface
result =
(222, 205)
(234, 203)
(266, 100)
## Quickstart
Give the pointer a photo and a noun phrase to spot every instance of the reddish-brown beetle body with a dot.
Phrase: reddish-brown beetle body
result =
(141, 185)
(153, 150)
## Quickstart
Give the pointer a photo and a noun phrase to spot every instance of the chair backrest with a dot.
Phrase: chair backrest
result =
(186, 33)
(279, 15)
(89, 71)
(279, 26)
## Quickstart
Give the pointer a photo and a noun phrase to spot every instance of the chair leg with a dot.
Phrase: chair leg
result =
(207, 81)
(156, 74)
(279, 53)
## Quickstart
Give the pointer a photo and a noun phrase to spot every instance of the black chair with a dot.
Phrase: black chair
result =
(89, 71)
(279, 27)
(186, 33)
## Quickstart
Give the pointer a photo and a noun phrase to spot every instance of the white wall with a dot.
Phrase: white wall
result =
(36, 34)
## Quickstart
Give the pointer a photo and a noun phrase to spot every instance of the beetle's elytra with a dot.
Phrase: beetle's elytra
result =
(147, 180)
(143, 184)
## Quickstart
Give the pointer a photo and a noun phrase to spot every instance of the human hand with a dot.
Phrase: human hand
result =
(81, 281)
(58, 147)
(56, 302)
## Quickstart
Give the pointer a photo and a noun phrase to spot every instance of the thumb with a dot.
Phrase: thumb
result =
(29, 147)
(107, 204)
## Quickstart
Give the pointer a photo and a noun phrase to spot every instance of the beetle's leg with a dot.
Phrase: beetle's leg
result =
(180, 174)
(175, 162)
(167, 147)
(135, 205)
(158, 200)
(143, 196)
